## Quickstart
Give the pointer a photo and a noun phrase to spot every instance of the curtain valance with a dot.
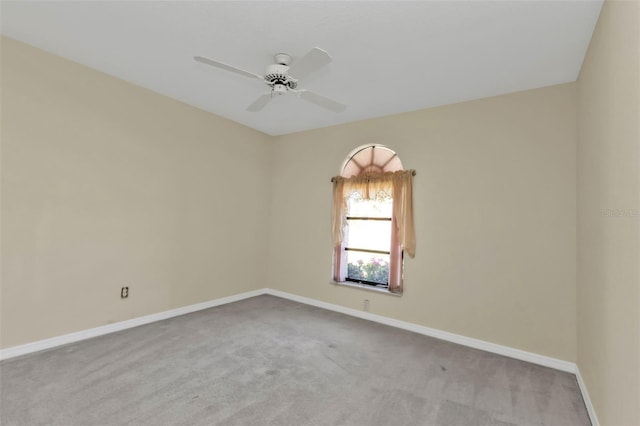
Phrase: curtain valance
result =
(398, 184)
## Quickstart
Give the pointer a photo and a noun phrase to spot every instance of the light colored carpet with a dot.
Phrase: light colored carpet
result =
(271, 361)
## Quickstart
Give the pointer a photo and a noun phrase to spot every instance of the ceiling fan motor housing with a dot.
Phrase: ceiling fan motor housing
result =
(277, 74)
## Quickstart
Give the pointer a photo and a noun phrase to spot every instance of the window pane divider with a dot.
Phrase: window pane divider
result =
(368, 218)
(367, 250)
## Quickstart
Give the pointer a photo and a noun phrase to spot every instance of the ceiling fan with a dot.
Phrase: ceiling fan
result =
(283, 78)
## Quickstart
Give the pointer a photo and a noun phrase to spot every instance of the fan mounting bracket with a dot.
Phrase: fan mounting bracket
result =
(282, 59)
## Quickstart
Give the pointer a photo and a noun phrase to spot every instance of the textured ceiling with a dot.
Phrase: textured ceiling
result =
(388, 57)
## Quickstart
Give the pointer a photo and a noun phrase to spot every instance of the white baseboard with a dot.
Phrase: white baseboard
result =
(118, 326)
(543, 360)
(587, 399)
(432, 332)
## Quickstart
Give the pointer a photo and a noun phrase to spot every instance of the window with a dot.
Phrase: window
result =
(367, 245)
(372, 219)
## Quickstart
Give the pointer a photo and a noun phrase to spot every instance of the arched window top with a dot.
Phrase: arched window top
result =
(371, 159)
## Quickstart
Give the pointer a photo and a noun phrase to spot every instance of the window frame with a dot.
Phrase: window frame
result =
(372, 251)
(396, 252)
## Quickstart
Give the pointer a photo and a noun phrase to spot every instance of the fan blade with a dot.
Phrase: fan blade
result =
(319, 100)
(312, 61)
(224, 66)
(259, 103)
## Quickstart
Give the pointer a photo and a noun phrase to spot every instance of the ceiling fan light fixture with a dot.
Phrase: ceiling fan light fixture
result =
(278, 90)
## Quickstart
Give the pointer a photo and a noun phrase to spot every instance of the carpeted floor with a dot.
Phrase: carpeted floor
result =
(271, 361)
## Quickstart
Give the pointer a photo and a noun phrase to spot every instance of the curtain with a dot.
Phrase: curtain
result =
(399, 184)
(403, 210)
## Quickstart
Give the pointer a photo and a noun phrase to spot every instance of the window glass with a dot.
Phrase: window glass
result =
(363, 267)
(382, 206)
(393, 164)
(372, 159)
(368, 239)
(382, 157)
(369, 234)
(351, 169)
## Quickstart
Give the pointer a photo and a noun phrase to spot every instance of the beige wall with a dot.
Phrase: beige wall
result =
(495, 217)
(105, 184)
(608, 287)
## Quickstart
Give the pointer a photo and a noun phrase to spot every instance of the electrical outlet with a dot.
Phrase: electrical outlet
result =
(365, 305)
(124, 292)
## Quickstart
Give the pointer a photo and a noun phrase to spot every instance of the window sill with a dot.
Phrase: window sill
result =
(365, 287)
